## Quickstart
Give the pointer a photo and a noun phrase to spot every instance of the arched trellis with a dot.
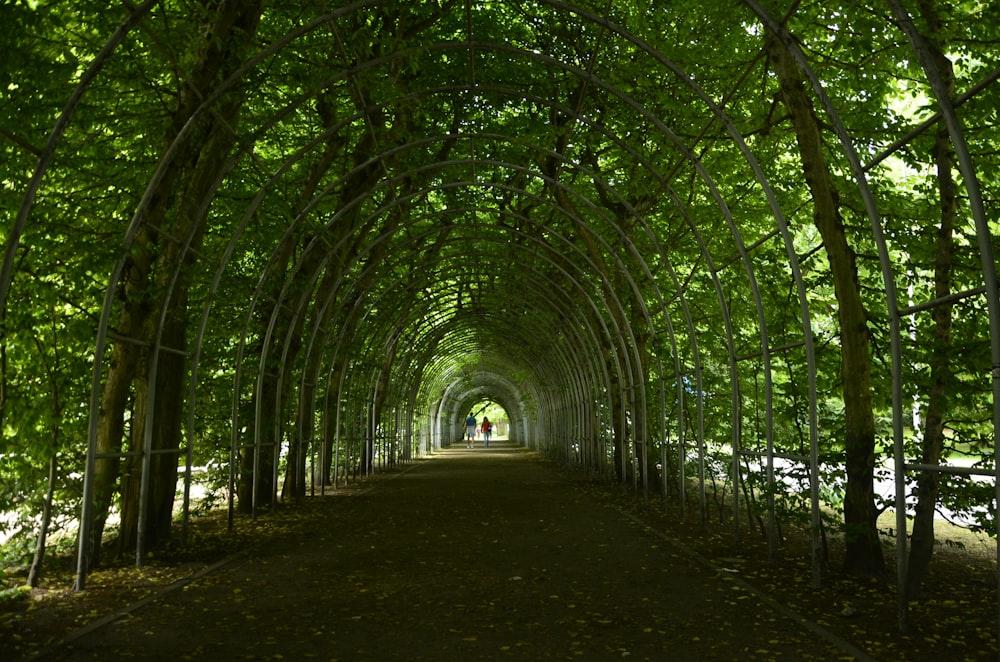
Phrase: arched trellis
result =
(570, 365)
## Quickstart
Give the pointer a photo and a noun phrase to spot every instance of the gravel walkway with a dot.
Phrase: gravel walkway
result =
(478, 554)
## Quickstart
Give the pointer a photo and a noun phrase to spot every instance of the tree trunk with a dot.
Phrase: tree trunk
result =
(266, 419)
(35, 571)
(619, 436)
(922, 540)
(863, 550)
(166, 436)
(173, 209)
(332, 455)
(117, 392)
(361, 181)
(649, 455)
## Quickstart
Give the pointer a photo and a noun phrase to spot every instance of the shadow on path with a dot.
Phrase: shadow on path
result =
(472, 555)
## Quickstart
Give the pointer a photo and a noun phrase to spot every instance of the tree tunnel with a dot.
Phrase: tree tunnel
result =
(680, 244)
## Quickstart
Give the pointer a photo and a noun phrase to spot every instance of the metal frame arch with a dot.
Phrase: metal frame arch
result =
(669, 308)
(319, 21)
(888, 272)
(452, 402)
(987, 260)
(358, 301)
(761, 321)
(435, 384)
(544, 290)
(635, 291)
(640, 256)
(543, 293)
(633, 380)
(439, 260)
(486, 373)
(600, 239)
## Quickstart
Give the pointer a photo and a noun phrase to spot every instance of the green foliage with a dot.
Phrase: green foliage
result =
(538, 205)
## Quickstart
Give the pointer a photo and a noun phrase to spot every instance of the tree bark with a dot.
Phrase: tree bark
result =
(363, 180)
(173, 208)
(116, 396)
(922, 540)
(35, 571)
(166, 436)
(863, 550)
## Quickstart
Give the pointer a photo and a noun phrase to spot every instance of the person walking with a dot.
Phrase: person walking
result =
(486, 429)
(470, 430)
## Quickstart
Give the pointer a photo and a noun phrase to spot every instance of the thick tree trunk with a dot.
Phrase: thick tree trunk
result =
(922, 540)
(117, 392)
(172, 209)
(863, 549)
(165, 439)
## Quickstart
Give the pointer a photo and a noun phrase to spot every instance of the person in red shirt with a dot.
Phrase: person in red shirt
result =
(486, 429)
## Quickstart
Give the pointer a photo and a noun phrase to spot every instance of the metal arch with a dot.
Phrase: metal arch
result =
(987, 261)
(418, 238)
(373, 304)
(55, 138)
(631, 379)
(993, 334)
(446, 381)
(339, 341)
(441, 370)
(390, 323)
(598, 20)
(593, 340)
(597, 236)
(480, 384)
(450, 403)
(510, 395)
(614, 90)
(647, 318)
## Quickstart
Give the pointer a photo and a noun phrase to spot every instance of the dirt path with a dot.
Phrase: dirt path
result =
(474, 554)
